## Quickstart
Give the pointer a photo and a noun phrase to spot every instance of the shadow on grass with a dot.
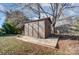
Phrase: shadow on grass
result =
(66, 36)
(7, 35)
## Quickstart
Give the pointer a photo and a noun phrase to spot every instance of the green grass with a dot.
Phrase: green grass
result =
(9, 45)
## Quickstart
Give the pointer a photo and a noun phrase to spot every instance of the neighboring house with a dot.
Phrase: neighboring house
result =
(38, 28)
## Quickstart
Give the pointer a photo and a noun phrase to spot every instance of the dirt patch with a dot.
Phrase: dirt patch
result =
(69, 45)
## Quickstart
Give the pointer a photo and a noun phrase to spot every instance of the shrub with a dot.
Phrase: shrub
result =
(10, 29)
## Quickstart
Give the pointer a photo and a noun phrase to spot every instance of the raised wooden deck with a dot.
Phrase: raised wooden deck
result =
(49, 42)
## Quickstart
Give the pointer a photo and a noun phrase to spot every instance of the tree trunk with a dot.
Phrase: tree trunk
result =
(53, 26)
(53, 29)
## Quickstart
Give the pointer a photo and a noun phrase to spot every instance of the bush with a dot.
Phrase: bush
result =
(2, 32)
(10, 29)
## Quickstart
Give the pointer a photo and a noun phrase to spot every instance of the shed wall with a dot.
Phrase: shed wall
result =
(35, 29)
(39, 29)
(47, 28)
(26, 29)
(30, 29)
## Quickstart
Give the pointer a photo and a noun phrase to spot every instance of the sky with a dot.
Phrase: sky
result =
(6, 6)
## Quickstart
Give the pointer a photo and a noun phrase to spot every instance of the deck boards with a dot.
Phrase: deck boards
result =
(49, 42)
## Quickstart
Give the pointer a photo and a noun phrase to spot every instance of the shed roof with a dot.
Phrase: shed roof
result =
(41, 20)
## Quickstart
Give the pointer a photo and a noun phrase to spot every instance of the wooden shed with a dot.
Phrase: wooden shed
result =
(38, 28)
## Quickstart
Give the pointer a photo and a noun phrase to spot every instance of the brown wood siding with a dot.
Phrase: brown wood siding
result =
(47, 28)
(39, 29)
(30, 29)
(26, 29)
(35, 29)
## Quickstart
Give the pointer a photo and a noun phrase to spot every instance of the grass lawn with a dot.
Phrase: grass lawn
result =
(10, 45)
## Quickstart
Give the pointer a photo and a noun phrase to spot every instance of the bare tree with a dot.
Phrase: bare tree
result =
(16, 18)
(55, 8)
(36, 8)
(56, 12)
